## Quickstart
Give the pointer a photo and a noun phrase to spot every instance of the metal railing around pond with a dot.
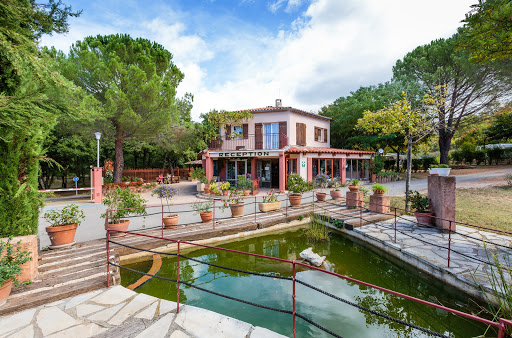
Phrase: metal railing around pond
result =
(500, 325)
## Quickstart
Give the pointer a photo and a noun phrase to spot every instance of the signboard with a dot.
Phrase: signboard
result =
(75, 179)
(245, 154)
(303, 164)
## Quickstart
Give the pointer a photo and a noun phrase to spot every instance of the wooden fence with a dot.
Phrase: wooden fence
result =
(150, 175)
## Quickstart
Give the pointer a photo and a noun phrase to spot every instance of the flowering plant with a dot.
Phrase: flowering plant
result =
(419, 202)
(321, 180)
(297, 185)
(165, 191)
(202, 206)
(271, 196)
(235, 197)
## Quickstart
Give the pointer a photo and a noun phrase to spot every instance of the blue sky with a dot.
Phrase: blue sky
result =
(246, 53)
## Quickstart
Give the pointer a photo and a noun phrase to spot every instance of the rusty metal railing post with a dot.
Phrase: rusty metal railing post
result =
(162, 220)
(449, 242)
(286, 199)
(213, 222)
(293, 298)
(254, 209)
(395, 224)
(360, 216)
(501, 331)
(178, 281)
(108, 258)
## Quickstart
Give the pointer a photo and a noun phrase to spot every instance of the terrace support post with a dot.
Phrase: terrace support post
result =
(254, 172)
(449, 242)
(293, 298)
(178, 281)
(343, 170)
(108, 258)
(208, 166)
(97, 185)
(310, 170)
(395, 225)
(213, 220)
(441, 193)
(282, 171)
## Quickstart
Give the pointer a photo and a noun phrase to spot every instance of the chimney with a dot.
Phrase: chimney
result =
(278, 103)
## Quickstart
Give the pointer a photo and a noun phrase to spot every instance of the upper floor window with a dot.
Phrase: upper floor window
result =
(238, 133)
(271, 135)
(320, 134)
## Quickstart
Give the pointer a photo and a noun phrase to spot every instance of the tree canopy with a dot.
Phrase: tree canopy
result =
(135, 82)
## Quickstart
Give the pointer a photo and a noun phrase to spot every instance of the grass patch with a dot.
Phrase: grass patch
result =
(487, 207)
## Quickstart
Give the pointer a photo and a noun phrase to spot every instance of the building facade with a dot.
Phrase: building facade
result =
(277, 142)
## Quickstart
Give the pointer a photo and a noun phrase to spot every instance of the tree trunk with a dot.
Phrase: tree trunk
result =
(408, 174)
(445, 140)
(119, 159)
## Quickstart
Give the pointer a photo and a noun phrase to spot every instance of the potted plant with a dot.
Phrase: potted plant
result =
(198, 174)
(379, 189)
(296, 185)
(121, 203)
(214, 190)
(235, 202)
(421, 206)
(321, 181)
(203, 209)
(225, 188)
(167, 192)
(11, 259)
(336, 186)
(440, 169)
(63, 224)
(353, 185)
(270, 202)
(248, 187)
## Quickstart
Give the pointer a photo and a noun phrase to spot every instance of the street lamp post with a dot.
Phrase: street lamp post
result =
(98, 136)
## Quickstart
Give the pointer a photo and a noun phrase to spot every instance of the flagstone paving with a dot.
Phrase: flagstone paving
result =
(119, 312)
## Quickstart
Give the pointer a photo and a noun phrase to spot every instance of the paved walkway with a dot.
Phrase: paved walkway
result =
(119, 312)
(398, 188)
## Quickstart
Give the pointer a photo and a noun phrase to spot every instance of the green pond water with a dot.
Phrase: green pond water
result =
(344, 257)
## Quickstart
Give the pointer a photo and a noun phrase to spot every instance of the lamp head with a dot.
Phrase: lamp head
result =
(381, 151)
(98, 135)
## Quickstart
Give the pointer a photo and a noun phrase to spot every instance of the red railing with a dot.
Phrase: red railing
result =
(500, 325)
(250, 142)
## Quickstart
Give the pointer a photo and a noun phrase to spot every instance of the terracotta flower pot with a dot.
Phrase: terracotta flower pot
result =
(295, 200)
(206, 216)
(320, 196)
(206, 190)
(225, 192)
(171, 220)
(5, 291)
(353, 187)
(269, 206)
(379, 193)
(335, 194)
(237, 209)
(121, 226)
(62, 235)
(424, 217)
(247, 192)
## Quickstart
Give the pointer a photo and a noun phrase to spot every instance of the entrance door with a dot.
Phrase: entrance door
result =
(264, 173)
(275, 173)
(235, 169)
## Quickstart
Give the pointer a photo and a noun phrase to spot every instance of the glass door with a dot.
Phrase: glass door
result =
(271, 136)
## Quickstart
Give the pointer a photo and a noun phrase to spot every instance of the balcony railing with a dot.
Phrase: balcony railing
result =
(250, 142)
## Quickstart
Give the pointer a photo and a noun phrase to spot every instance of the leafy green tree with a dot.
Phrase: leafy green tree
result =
(135, 82)
(487, 31)
(214, 119)
(467, 88)
(32, 95)
(500, 129)
(402, 117)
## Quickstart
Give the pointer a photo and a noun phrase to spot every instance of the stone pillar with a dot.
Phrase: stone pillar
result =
(97, 184)
(28, 243)
(355, 199)
(343, 170)
(441, 192)
(380, 203)
(282, 172)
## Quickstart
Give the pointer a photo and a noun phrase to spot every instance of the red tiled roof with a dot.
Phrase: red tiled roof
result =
(297, 150)
(278, 109)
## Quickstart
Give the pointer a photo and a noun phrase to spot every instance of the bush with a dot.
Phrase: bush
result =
(70, 214)
(468, 152)
(11, 261)
(297, 185)
(479, 157)
(456, 156)
(123, 202)
(495, 154)
(416, 164)
(427, 161)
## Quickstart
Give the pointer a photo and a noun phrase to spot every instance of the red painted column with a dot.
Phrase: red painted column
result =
(209, 166)
(254, 173)
(97, 185)
(222, 174)
(310, 169)
(282, 172)
(343, 173)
